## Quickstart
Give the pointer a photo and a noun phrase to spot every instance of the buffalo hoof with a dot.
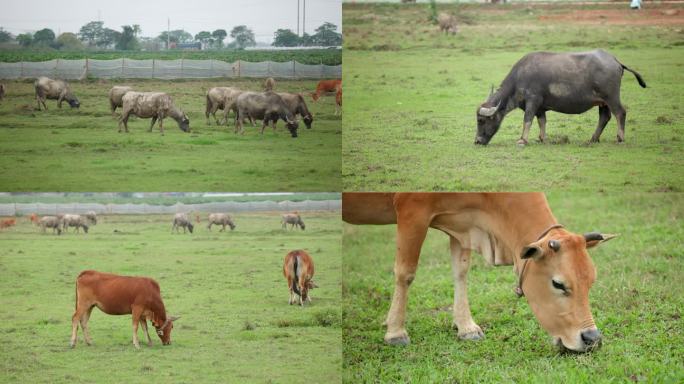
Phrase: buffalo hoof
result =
(521, 142)
(472, 335)
(399, 339)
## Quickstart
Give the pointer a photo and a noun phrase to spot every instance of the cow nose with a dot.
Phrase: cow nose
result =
(479, 140)
(591, 337)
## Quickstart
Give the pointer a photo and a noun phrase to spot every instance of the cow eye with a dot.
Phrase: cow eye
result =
(558, 285)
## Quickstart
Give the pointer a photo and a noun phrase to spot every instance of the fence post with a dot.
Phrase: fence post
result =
(238, 67)
(55, 70)
(22, 69)
(87, 68)
(181, 68)
(123, 60)
(294, 69)
(153, 68)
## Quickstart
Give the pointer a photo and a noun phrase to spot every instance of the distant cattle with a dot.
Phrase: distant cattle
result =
(223, 98)
(297, 106)
(116, 95)
(294, 219)
(221, 219)
(6, 223)
(59, 90)
(157, 105)
(76, 221)
(447, 23)
(2, 91)
(269, 84)
(298, 270)
(338, 102)
(121, 295)
(53, 222)
(180, 220)
(91, 216)
(33, 218)
(266, 106)
(326, 86)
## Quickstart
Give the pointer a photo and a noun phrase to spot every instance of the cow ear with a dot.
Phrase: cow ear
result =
(531, 251)
(594, 238)
(174, 318)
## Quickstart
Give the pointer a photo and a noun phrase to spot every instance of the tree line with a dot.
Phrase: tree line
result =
(95, 35)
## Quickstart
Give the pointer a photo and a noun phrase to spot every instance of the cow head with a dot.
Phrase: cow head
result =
(232, 225)
(308, 120)
(315, 96)
(85, 228)
(164, 330)
(556, 284)
(304, 290)
(489, 118)
(301, 225)
(72, 100)
(190, 227)
(184, 123)
(292, 124)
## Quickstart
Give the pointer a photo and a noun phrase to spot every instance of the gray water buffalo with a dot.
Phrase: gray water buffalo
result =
(77, 221)
(266, 106)
(223, 98)
(116, 95)
(570, 83)
(180, 220)
(156, 105)
(269, 84)
(297, 106)
(447, 23)
(221, 219)
(59, 90)
(50, 222)
(294, 220)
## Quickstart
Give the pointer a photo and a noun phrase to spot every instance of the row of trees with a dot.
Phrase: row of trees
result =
(95, 35)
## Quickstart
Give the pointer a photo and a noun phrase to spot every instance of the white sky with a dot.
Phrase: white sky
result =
(263, 17)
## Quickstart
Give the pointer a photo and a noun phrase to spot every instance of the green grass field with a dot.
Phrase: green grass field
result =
(236, 325)
(636, 302)
(81, 150)
(412, 95)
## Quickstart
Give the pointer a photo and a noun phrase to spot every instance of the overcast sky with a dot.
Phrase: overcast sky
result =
(263, 17)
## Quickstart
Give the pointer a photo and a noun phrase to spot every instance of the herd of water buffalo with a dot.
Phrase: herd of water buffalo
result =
(62, 222)
(267, 105)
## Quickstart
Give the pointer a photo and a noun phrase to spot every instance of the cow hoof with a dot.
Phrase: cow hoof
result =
(475, 335)
(521, 143)
(72, 345)
(399, 339)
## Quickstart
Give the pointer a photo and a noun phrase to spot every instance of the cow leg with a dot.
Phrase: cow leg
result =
(604, 118)
(411, 231)
(84, 325)
(531, 109)
(541, 120)
(124, 119)
(223, 229)
(463, 320)
(154, 120)
(136, 315)
(620, 115)
(81, 309)
(290, 286)
(161, 124)
(265, 123)
(143, 324)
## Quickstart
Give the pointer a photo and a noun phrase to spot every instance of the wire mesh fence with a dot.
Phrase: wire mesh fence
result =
(23, 209)
(166, 69)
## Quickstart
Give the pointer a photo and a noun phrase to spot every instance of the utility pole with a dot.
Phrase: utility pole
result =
(297, 17)
(304, 19)
(168, 33)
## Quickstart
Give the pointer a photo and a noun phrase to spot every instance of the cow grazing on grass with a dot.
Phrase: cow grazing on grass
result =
(447, 23)
(223, 98)
(53, 222)
(266, 106)
(156, 105)
(570, 83)
(6, 223)
(325, 87)
(180, 220)
(298, 269)
(116, 95)
(59, 90)
(553, 267)
(221, 219)
(77, 221)
(121, 295)
(294, 219)
(297, 106)
(34, 219)
(269, 84)
(91, 217)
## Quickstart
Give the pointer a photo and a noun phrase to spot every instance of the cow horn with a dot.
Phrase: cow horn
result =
(488, 111)
(595, 236)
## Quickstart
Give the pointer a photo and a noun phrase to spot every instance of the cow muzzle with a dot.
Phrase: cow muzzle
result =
(479, 140)
(589, 340)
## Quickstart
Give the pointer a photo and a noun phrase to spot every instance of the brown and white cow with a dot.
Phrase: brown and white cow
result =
(555, 271)
(121, 295)
(293, 219)
(298, 269)
(326, 86)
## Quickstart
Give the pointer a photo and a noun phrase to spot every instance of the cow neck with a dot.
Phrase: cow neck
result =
(518, 290)
(159, 313)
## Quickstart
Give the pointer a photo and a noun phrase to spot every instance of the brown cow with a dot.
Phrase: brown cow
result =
(34, 219)
(298, 269)
(554, 269)
(121, 295)
(338, 102)
(326, 86)
(6, 223)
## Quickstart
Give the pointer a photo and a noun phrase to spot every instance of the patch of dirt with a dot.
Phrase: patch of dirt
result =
(625, 16)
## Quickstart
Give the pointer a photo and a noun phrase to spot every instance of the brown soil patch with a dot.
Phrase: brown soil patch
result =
(626, 16)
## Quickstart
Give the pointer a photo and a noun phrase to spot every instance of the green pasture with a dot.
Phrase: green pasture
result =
(412, 94)
(81, 150)
(228, 288)
(636, 301)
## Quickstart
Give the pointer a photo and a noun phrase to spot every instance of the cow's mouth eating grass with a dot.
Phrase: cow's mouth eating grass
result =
(565, 350)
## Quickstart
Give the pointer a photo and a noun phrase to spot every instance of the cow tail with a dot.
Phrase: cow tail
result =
(76, 296)
(638, 76)
(295, 268)
(208, 108)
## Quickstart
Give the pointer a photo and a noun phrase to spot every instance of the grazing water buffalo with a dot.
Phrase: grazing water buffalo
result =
(116, 95)
(569, 83)
(181, 220)
(59, 90)
(221, 219)
(326, 86)
(50, 222)
(76, 221)
(554, 270)
(297, 106)
(91, 216)
(447, 23)
(223, 98)
(156, 105)
(268, 106)
(121, 295)
(269, 84)
(294, 219)
(298, 269)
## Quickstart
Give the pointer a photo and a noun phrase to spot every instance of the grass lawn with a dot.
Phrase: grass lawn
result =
(636, 302)
(236, 325)
(81, 150)
(412, 95)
